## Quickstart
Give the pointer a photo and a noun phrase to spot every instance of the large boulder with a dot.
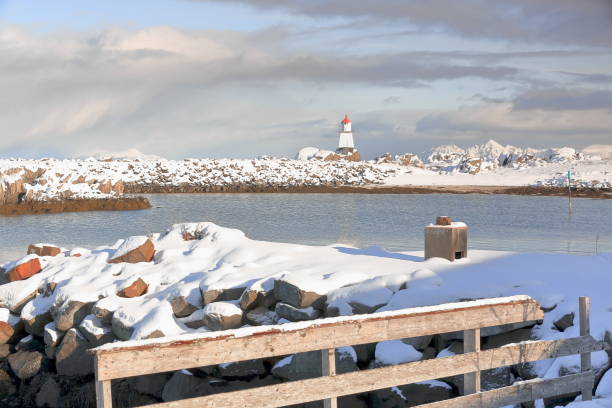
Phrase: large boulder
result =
(289, 292)
(133, 250)
(26, 364)
(44, 250)
(134, 289)
(28, 267)
(35, 318)
(308, 365)
(293, 314)
(222, 315)
(11, 330)
(182, 307)
(70, 314)
(95, 332)
(71, 357)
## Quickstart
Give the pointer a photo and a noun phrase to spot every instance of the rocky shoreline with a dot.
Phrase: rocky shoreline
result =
(371, 189)
(58, 303)
(75, 205)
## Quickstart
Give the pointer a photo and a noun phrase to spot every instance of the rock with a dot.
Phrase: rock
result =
(181, 306)
(6, 384)
(25, 269)
(238, 369)
(496, 378)
(44, 250)
(338, 308)
(134, 250)
(96, 334)
(566, 321)
(152, 384)
(25, 364)
(124, 395)
(260, 293)
(49, 394)
(220, 295)
(411, 394)
(29, 343)
(35, 323)
(5, 350)
(52, 337)
(184, 385)
(222, 315)
(103, 313)
(10, 333)
(289, 312)
(365, 353)
(308, 365)
(288, 292)
(71, 357)
(504, 328)
(499, 340)
(121, 330)
(70, 314)
(261, 316)
(419, 343)
(50, 352)
(135, 289)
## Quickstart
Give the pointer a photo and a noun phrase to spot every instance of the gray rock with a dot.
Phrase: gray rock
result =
(411, 394)
(308, 365)
(293, 314)
(36, 324)
(566, 321)
(70, 314)
(419, 343)
(287, 292)
(52, 337)
(26, 364)
(96, 334)
(499, 340)
(71, 357)
(365, 352)
(222, 316)
(251, 299)
(5, 350)
(261, 316)
(496, 378)
(6, 384)
(152, 384)
(181, 306)
(247, 368)
(49, 394)
(105, 315)
(50, 352)
(120, 330)
(218, 295)
(183, 385)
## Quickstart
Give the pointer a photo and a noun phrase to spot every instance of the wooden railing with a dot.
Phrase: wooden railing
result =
(120, 360)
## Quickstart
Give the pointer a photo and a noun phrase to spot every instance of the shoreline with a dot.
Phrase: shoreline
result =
(373, 189)
(75, 205)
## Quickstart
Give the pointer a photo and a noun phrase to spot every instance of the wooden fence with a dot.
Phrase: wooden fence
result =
(116, 361)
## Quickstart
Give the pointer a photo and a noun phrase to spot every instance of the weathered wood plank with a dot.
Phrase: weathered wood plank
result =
(320, 388)
(328, 359)
(517, 393)
(471, 343)
(324, 334)
(104, 397)
(584, 304)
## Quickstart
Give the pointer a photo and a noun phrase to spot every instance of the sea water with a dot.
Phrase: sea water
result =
(392, 221)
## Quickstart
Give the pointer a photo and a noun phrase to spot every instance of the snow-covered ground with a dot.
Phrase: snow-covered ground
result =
(206, 274)
(489, 164)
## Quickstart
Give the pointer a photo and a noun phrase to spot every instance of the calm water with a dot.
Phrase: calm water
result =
(534, 224)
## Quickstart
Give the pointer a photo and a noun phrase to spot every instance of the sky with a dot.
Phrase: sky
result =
(245, 78)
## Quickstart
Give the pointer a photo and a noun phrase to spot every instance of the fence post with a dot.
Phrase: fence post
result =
(328, 360)
(585, 358)
(104, 396)
(471, 343)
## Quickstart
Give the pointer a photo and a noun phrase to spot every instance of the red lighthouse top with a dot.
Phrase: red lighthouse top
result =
(346, 119)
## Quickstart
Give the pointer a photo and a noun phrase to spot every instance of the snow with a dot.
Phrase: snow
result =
(129, 245)
(393, 352)
(489, 164)
(604, 389)
(223, 308)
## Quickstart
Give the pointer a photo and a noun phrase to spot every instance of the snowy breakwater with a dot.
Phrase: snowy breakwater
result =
(196, 278)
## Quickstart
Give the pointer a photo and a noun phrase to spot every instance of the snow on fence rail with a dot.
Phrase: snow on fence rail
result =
(125, 360)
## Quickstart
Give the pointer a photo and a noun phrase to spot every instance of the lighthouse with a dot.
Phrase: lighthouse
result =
(345, 144)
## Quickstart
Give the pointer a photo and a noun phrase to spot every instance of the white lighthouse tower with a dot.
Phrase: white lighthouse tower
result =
(345, 144)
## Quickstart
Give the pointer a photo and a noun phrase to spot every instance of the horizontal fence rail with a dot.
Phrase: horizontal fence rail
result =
(129, 359)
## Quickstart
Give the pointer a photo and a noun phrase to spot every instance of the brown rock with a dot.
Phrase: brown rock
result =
(71, 357)
(181, 307)
(6, 385)
(24, 270)
(5, 350)
(45, 250)
(218, 295)
(6, 332)
(36, 325)
(49, 394)
(143, 253)
(70, 314)
(289, 293)
(25, 364)
(137, 288)
(566, 321)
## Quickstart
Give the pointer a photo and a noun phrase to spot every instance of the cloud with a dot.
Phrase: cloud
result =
(544, 21)
(564, 99)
